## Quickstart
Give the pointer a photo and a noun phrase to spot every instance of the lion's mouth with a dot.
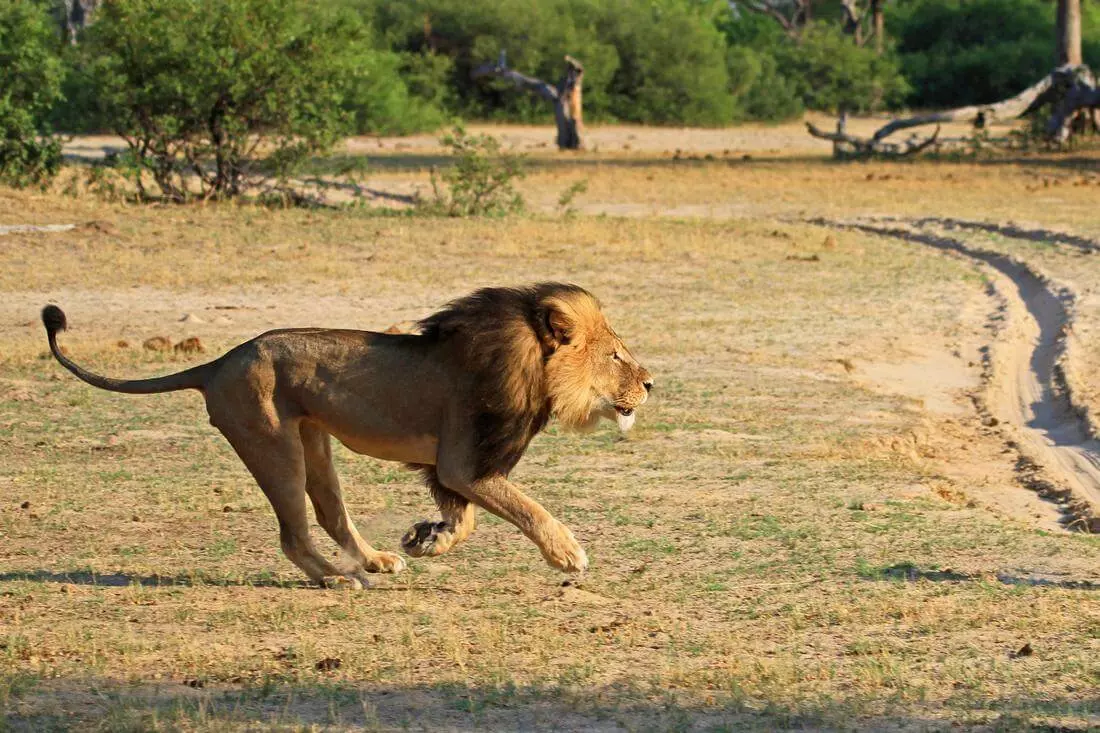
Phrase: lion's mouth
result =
(624, 417)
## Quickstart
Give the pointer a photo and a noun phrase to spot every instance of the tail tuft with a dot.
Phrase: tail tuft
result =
(53, 318)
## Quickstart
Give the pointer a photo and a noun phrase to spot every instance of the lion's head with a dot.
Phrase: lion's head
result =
(525, 354)
(590, 372)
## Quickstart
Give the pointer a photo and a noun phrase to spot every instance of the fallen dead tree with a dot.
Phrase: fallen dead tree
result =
(1068, 91)
(566, 96)
(847, 146)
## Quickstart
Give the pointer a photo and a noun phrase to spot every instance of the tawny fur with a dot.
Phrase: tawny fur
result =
(460, 400)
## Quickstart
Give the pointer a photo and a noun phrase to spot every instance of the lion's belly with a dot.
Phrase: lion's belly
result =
(412, 449)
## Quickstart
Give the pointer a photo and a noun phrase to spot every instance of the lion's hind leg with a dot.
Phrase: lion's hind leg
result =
(323, 487)
(274, 456)
(428, 539)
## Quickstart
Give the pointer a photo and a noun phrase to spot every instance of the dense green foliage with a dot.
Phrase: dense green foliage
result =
(30, 84)
(956, 52)
(644, 62)
(199, 87)
(191, 81)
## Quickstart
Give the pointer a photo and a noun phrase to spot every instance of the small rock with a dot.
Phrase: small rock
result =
(157, 343)
(328, 664)
(191, 318)
(190, 346)
(25, 505)
(1024, 651)
(122, 344)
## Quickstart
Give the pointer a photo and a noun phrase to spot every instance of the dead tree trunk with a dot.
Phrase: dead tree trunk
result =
(76, 15)
(853, 20)
(854, 17)
(566, 96)
(878, 25)
(1069, 33)
(1067, 89)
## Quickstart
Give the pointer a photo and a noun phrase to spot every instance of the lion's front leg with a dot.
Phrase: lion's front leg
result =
(558, 545)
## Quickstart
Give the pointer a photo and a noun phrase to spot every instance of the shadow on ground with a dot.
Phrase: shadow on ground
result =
(43, 705)
(123, 580)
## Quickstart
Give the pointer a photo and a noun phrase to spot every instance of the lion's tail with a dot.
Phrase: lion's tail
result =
(194, 378)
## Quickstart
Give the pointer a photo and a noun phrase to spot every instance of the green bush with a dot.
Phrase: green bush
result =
(775, 77)
(481, 181)
(381, 103)
(760, 90)
(672, 65)
(830, 72)
(30, 84)
(219, 97)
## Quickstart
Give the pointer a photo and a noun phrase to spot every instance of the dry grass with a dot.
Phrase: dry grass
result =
(770, 548)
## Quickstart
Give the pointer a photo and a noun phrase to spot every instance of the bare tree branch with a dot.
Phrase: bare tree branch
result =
(792, 25)
(981, 115)
(850, 146)
(522, 81)
(566, 96)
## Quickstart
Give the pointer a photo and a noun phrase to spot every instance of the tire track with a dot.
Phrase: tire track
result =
(1027, 390)
(1013, 231)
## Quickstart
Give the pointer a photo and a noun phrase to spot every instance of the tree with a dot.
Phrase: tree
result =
(30, 84)
(218, 97)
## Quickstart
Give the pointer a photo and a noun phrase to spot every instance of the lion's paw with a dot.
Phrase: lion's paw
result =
(427, 539)
(386, 562)
(343, 582)
(563, 551)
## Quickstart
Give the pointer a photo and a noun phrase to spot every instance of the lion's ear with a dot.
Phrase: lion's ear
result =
(554, 327)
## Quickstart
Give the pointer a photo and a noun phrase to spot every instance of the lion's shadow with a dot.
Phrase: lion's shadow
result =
(123, 580)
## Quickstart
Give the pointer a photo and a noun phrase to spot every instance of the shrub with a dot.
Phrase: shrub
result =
(30, 83)
(219, 97)
(480, 182)
(775, 77)
(760, 91)
(830, 72)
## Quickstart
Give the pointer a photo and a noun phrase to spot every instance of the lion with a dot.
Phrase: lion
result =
(459, 401)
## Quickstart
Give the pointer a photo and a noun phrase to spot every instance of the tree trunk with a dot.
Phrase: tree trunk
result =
(1069, 32)
(568, 110)
(566, 97)
(878, 25)
(76, 15)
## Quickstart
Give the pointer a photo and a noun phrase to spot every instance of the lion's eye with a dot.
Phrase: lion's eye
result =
(616, 357)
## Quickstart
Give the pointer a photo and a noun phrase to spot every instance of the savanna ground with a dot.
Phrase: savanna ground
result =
(810, 526)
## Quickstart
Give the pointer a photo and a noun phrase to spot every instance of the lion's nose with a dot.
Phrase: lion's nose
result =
(648, 384)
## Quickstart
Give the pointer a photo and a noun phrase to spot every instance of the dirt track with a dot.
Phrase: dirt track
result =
(1027, 391)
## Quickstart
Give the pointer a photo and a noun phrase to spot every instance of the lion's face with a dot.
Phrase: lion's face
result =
(591, 372)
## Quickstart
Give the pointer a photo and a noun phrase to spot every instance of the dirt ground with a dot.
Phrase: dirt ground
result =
(851, 502)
